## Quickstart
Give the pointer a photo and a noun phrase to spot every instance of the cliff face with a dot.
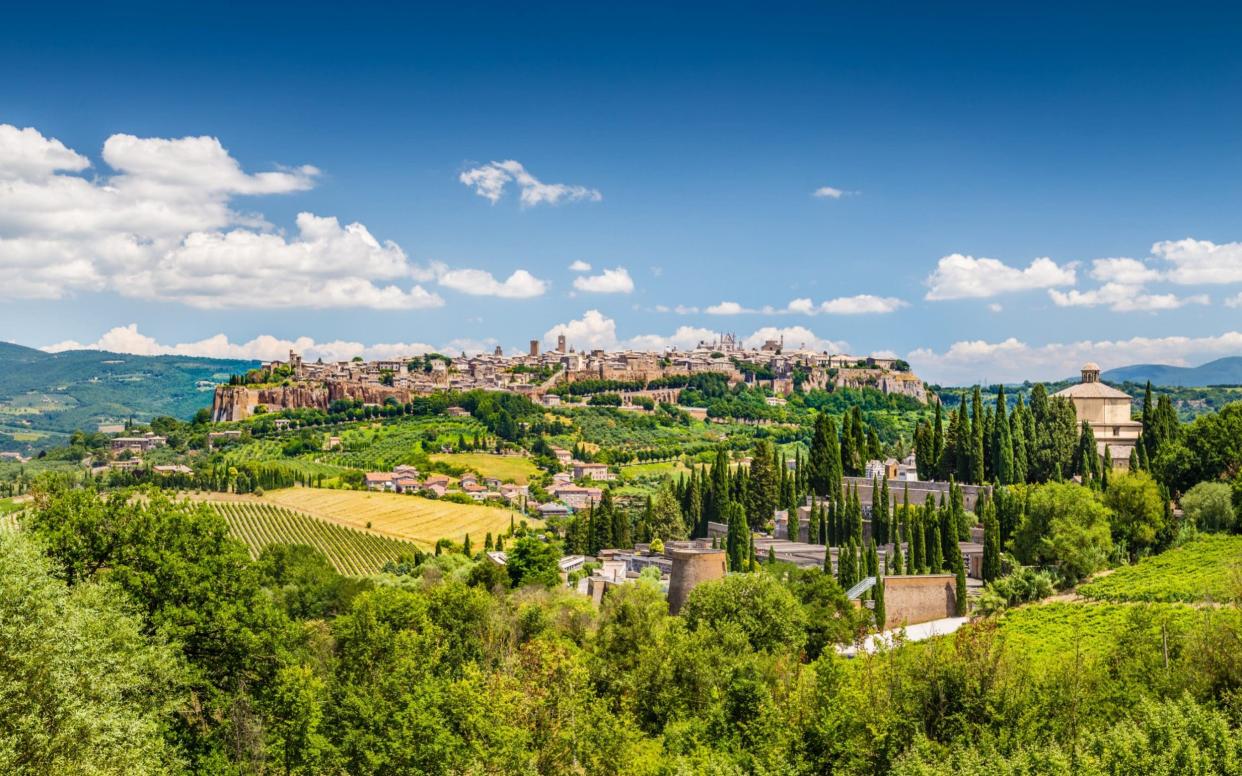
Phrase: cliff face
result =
(238, 402)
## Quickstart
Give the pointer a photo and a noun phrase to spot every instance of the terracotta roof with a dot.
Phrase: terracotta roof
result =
(1092, 391)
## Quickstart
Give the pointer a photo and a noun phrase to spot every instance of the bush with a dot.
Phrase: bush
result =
(1209, 506)
(1022, 586)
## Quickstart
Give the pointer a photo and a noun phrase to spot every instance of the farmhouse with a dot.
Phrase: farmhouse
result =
(140, 444)
(593, 471)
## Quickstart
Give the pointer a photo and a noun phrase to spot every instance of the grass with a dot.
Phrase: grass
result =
(350, 551)
(508, 468)
(1203, 569)
(412, 518)
(1052, 631)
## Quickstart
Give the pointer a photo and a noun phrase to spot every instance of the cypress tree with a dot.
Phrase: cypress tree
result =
(991, 542)
(873, 561)
(771, 559)
(1002, 454)
(737, 542)
(898, 565)
(935, 551)
(961, 590)
(976, 450)
(465, 546)
(1017, 431)
(937, 440)
(886, 512)
(918, 551)
(881, 617)
(487, 542)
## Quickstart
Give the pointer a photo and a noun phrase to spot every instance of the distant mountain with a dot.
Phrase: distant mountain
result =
(46, 395)
(1222, 371)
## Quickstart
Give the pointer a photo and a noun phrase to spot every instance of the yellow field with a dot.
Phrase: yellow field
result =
(517, 468)
(415, 519)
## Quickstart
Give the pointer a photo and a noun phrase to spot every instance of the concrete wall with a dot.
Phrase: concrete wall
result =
(692, 566)
(915, 599)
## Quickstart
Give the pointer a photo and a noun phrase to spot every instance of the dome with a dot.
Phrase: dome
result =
(1090, 366)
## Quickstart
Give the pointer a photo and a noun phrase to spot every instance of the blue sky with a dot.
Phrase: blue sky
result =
(696, 137)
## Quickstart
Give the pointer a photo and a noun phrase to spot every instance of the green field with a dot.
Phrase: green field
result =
(508, 468)
(1207, 568)
(350, 550)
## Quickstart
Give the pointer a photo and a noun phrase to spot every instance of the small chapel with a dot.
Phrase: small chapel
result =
(1107, 411)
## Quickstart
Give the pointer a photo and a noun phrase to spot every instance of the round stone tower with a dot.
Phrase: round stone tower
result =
(691, 566)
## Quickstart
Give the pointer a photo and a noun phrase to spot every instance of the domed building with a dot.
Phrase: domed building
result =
(1107, 411)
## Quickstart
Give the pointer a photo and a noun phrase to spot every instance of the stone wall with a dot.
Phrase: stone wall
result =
(915, 599)
(238, 402)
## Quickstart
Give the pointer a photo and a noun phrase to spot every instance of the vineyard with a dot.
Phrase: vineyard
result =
(351, 551)
(1053, 631)
(1205, 569)
(404, 442)
(411, 518)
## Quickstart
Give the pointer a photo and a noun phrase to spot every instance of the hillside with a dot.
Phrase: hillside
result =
(1222, 371)
(44, 396)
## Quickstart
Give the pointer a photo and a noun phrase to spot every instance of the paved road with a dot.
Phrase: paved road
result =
(924, 630)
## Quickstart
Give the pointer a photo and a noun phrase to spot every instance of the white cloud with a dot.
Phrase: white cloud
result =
(127, 339)
(995, 307)
(862, 304)
(476, 282)
(1130, 272)
(162, 227)
(1234, 301)
(828, 192)
(579, 266)
(727, 308)
(595, 330)
(610, 281)
(25, 153)
(1012, 360)
(1121, 297)
(592, 330)
(796, 338)
(965, 277)
(490, 180)
(1197, 262)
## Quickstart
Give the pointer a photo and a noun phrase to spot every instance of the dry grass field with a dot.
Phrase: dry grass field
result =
(507, 468)
(412, 518)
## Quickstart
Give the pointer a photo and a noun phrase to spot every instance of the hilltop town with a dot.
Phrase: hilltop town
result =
(296, 383)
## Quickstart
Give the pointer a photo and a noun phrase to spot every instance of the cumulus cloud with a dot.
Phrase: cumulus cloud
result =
(610, 281)
(1122, 298)
(128, 339)
(595, 330)
(861, 304)
(1130, 272)
(476, 282)
(161, 226)
(965, 277)
(579, 266)
(796, 338)
(1012, 360)
(829, 192)
(727, 308)
(1201, 262)
(490, 180)
(1234, 301)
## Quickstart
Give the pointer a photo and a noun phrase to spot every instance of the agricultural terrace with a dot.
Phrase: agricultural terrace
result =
(350, 551)
(412, 518)
(507, 468)
(1060, 630)
(379, 447)
(1208, 568)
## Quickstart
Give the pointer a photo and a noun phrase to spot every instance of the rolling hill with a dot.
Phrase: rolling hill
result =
(1222, 371)
(44, 396)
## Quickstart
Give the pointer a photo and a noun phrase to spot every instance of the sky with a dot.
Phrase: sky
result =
(993, 191)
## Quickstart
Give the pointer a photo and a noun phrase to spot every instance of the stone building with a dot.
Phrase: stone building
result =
(1107, 411)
